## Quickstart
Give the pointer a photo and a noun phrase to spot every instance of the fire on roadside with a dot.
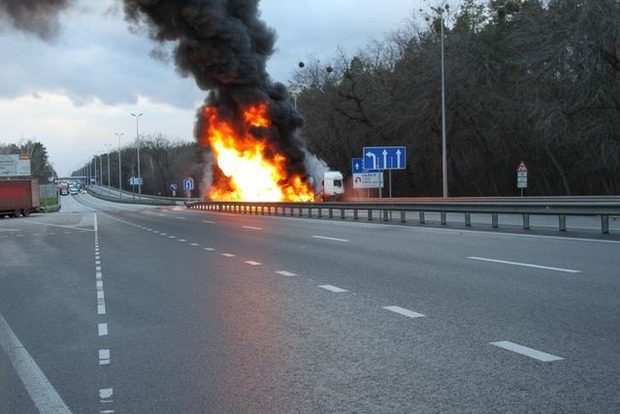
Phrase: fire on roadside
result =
(251, 169)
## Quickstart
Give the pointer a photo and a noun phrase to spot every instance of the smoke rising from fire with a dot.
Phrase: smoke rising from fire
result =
(225, 46)
(38, 17)
(222, 44)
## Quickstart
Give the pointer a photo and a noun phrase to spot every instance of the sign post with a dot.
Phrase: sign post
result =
(522, 176)
(188, 186)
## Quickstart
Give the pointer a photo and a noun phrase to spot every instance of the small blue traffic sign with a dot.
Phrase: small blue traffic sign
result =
(174, 187)
(188, 184)
(385, 158)
(357, 165)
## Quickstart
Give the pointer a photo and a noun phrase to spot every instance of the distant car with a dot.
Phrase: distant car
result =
(73, 191)
(64, 191)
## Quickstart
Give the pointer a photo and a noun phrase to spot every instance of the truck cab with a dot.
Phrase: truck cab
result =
(332, 188)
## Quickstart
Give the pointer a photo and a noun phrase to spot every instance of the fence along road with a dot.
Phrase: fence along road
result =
(600, 209)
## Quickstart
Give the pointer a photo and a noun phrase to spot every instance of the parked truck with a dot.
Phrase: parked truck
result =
(19, 197)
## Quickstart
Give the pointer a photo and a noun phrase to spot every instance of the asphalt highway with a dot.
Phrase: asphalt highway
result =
(115, 308)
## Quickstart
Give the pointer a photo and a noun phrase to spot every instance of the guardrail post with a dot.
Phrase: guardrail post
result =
(355, 217)
(320, 212)
(309, 211)
(385, 215)
(526, 221)
(300, 214)
(443, 217)
(342, 213)
(331, 212)
(494, 220)
(562, 220)
(604, 224)
(468, 219)
(403, 218)
(369, 214)
(422, 219)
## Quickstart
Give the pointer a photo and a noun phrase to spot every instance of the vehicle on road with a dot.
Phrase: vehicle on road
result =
(332, 188)
(19, 197)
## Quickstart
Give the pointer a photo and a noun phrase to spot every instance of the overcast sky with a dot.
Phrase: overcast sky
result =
(74, 93)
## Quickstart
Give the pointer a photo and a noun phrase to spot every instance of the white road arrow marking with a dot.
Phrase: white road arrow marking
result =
(374, 159)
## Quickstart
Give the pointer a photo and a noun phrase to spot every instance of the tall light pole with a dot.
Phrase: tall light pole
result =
(100, 171)
(120, 178)
(138, 154)
(108, 150)
(444, 154)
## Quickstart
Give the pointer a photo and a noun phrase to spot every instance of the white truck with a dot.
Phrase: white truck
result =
(332, 186)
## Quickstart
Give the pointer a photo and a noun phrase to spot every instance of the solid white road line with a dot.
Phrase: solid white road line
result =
(331, 238)
(403, 311)
(524, 350)
(285, 273)
(557, 269)
(41, 391)
(332, 288)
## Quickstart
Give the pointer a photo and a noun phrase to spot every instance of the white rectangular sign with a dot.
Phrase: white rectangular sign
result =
(368, 180)
(12, 165)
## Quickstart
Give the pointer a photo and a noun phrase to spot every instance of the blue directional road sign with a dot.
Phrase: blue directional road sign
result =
(174, 187)
(357, 165)
(385, 158)
(188, 184)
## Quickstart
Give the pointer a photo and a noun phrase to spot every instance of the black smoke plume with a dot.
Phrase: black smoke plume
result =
(38, 17)
(225, 46)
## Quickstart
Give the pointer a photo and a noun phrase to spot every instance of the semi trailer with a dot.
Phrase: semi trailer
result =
(19, 197)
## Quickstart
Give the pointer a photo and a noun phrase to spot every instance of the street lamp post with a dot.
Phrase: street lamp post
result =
(444, 153)
(120, 178)
(109, 186)
(100, 171)
(138, 153)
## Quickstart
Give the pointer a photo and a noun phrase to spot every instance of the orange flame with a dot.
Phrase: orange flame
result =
(242, 158)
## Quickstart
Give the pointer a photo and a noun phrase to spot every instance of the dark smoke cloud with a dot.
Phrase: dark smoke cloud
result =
(222, 44)
(225, 46)
(38, 17)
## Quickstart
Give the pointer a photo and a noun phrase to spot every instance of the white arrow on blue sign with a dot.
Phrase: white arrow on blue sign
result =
(188, 184)
(385, 158)
(357, 165)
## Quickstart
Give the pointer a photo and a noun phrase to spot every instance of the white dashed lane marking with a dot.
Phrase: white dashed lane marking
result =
(331, 238)
(104, 357)
(253, 263)
(332, 288)
(102, 328)
(524, 350)
(285, 273)
(403, 311)
(557, 269)
(252, 228)
(228, 255)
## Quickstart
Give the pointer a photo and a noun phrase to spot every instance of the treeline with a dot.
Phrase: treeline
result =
(163, 161)
(528, 80)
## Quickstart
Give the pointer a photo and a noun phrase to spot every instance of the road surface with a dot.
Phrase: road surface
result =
(122, 308)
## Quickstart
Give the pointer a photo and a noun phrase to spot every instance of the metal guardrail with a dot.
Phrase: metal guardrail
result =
(603, 207)
(112, 194)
